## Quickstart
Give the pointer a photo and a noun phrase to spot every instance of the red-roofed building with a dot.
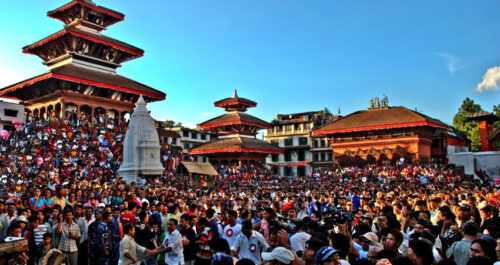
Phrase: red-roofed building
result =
(236, 131)
(383, 134)
(82, 65)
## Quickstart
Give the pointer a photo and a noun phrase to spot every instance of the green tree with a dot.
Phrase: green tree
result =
(496, 111)
(465, 127)
(326, 111)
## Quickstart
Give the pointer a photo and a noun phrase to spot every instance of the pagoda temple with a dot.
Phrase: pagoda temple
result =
(486, 121)
(384, 134)
(82, 65)
(236, 142)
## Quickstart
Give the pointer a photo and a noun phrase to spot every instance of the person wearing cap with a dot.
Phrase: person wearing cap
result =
(368, 241)
(327, 256)
(279, 255)
(464, 215)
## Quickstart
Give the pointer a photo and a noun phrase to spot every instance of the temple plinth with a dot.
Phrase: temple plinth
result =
(236, 131)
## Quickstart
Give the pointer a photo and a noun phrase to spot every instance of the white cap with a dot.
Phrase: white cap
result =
(101, 205)
(280, 254)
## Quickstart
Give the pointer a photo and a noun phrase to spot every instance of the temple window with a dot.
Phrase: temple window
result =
(10, 112)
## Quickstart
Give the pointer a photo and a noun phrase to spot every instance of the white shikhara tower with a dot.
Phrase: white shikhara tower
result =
(141, 148)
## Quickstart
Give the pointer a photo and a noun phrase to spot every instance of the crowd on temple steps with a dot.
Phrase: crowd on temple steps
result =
(61, 192)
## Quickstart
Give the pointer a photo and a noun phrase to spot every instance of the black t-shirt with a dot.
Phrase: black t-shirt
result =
(143, 236)
(190, 249)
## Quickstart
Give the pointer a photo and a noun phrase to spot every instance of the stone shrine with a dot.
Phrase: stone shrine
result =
(141, 148)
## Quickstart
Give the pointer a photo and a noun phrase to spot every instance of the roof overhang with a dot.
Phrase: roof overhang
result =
(235, 150)
(76, 80)
(138, 52)
(381, 127)
(215, 125)
(117, 15)
(237, 101)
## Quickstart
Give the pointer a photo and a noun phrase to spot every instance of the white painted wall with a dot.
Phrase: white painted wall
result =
(487, 161)
(10, 104)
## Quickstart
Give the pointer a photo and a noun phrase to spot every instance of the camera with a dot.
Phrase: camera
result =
(335, 217)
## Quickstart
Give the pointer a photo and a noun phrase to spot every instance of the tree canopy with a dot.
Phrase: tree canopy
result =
(466, 127)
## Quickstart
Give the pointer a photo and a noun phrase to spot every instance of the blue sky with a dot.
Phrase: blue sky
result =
(289, 56)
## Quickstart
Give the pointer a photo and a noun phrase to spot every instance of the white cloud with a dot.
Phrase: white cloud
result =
(206, 114)
(491, 79)
(190, 124)
(453, 62)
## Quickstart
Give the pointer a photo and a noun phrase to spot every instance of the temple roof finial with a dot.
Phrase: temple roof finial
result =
(141, 101)
(235, 95)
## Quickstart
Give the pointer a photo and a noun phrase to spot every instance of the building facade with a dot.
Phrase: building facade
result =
(190, 138)
(384, 134)
(302, 152)
(81, 63)
(11, 109)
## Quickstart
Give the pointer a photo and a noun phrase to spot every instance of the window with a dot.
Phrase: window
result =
(185, 134)
(316, 143)
(186, 146)
(174, 141)
(204, 159)
(288, 156)
(194, 135)
(10, 112)
(323, 157)
(303, 141)
(289, 142)
(302, 155)
(203, 136)
(330, 157)
(274, 157)
(275, 142)
(323, 143)
(315, 158)
(288, 171)
(297, 126)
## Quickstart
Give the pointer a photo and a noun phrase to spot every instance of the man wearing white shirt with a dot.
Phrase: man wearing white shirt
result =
(233, 229)
(172, 245)
(249, 244)
(299, 239)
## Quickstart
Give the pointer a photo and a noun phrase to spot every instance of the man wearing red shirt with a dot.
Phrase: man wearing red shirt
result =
(128, 217)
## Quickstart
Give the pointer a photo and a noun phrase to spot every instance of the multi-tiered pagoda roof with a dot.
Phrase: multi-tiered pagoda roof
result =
(236, 130)
(82, 64)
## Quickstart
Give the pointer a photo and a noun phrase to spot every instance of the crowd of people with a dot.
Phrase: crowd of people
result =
(61, 192)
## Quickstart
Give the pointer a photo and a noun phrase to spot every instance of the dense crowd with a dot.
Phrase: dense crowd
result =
(60, 191)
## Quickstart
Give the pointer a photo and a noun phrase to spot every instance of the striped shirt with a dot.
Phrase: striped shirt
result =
(39, 231)
(204, 251)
